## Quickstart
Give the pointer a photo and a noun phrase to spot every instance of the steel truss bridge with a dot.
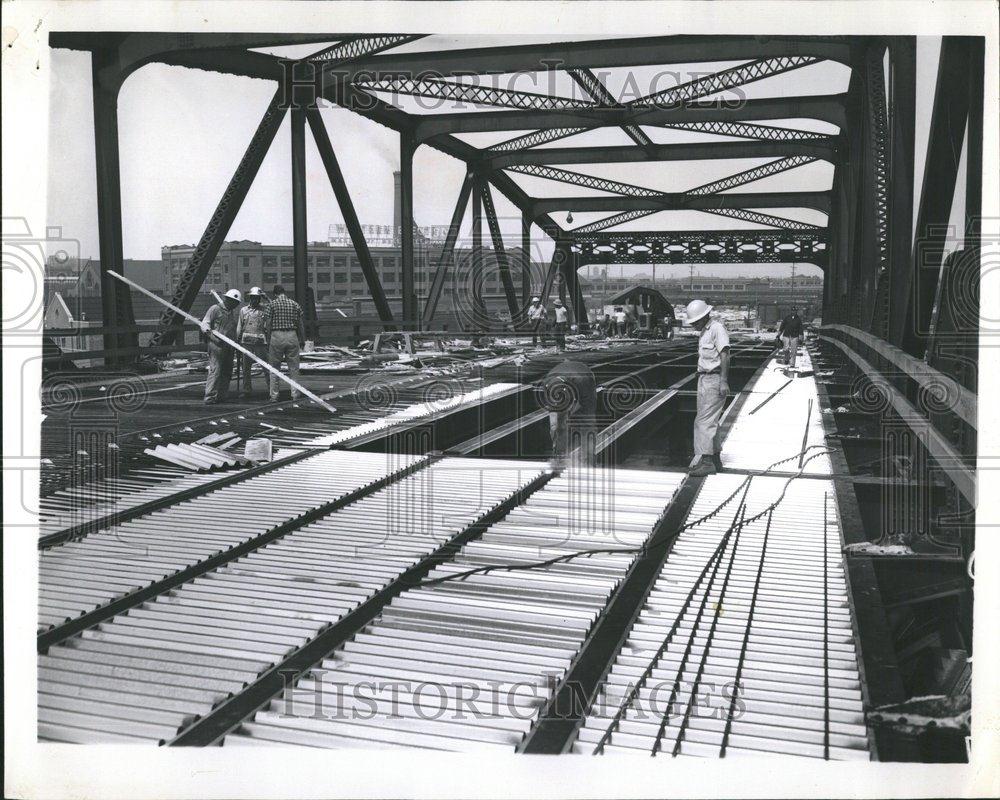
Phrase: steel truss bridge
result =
(900, 295)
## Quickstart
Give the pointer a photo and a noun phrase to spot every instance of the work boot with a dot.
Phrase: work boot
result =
(702, 468)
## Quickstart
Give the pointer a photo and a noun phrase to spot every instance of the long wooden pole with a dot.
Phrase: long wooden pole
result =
(297, 386)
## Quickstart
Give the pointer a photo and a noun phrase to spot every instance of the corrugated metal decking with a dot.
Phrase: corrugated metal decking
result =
(466, 664)
(145, 674)
(79, 576)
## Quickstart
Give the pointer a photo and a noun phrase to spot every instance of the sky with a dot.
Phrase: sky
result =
(182, 133)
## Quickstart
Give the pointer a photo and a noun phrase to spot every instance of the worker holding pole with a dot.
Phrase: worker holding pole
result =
(713, 385)
(221, 318)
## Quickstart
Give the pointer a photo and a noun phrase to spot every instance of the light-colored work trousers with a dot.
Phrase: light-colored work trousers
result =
(258, 348)
(220, 372)
(791, 348)
(284, 347)
(706, 419)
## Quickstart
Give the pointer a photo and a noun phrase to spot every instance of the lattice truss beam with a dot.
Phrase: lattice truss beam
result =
(701, 247)
(631, 190)
(685, 92)
(358, 46)
(693, 89)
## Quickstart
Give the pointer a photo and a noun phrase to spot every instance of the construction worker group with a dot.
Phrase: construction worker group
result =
(273, 329)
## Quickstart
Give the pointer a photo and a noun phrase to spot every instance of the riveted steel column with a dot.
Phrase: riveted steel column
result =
(410, 313)
(902, 121)
(299, 232)
(115, 305)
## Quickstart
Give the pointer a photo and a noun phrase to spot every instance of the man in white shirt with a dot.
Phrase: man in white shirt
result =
(536, 319)
(561, 324)
(713, 384)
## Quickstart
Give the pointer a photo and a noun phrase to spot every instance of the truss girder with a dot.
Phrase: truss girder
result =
(692, 90)
(359, 46)
(612, 221)
(589, 181)
(473, 94)
(878, 145)
(759, 218)
(225, 212)
(746, 130)
(751, 175)
(599, 92)
(701, 247)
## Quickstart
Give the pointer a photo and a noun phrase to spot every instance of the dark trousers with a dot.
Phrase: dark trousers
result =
(560, 333)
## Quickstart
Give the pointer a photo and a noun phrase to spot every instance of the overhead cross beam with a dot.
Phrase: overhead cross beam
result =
(702, 247)
(358, 46)
(683, 93)
(631, 190)
(470, 93)
(821, 149)
(744, 130)
(592, 84)
(820, 201)
(598, 53)
(828, 108)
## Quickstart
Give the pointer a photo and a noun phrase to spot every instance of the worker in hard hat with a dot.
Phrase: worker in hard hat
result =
(561, 324)
(536, 319)
(250, 334)
(713, 384)
(221, 318)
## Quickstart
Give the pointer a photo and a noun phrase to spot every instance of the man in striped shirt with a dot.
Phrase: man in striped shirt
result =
(286, 333)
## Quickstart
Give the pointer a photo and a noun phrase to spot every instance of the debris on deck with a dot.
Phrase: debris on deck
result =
(196, 457)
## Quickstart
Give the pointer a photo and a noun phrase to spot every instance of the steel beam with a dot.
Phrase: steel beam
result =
(902, 122)
(599, 92)
(823, 149)
(215, 233)
(974, 150)
(116, 307)
(828, 108)
(526, 275)
(743, 130)
(300, 235)
(944, 149)
(471, 93)
(409, 290)
(445, 261)
(598, 53)
(820, 201)
(480, 315)
(356, 47)
(499, 252)
(343, 196)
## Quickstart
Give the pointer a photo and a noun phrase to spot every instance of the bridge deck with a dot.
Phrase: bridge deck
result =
(753, 594)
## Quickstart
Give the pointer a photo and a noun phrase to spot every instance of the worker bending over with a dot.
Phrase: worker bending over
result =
(790, 332)
(250, 334)
(220, 318)
(283, 324)
(713, 384)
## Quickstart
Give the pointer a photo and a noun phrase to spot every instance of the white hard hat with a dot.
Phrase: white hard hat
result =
(558, 302)
(256, 291)
(535, 300)
(697, 309)
(235, 294)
